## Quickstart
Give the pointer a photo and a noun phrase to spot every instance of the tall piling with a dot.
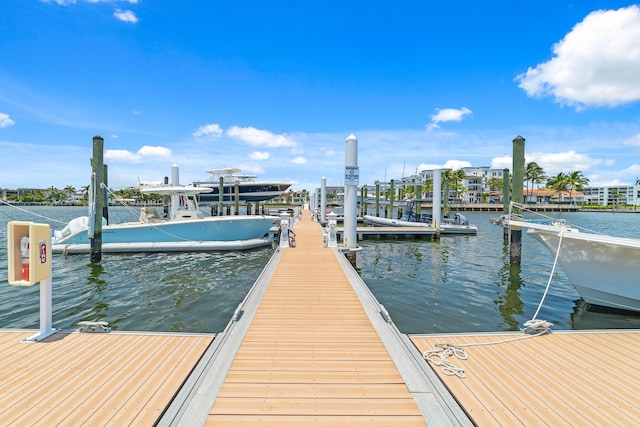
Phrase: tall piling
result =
(351, 181)
(506, 196)
(221, 196)
(517, 185)
(436, 203)
(97, 175)
(391, 199)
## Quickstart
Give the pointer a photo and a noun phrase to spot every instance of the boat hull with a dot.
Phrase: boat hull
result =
(604, 270)
(209, 229)
(389, 222)
(445, 228)
(188, 246)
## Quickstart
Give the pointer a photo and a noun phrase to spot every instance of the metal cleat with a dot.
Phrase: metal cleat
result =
(97, 327)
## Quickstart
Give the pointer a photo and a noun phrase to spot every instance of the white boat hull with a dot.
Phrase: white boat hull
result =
(604, 270)
(445, 228)
(389, 222)
(191, 246)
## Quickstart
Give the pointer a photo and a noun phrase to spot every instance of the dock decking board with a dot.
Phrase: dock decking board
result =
(310, 355)
(571, 378)
(93, 379)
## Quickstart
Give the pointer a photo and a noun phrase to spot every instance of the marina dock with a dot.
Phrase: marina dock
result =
(310, 345)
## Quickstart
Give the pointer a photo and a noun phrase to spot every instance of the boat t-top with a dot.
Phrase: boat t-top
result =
(249, 188)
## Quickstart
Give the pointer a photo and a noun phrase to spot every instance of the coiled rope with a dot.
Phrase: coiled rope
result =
(440, 353)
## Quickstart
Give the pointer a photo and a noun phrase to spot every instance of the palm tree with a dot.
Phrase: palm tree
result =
(455, 177)
(558, 183)
(495, 183)
(576, 181)
(534, 174)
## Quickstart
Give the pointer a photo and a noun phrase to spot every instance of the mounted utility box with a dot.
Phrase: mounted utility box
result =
(29, 252)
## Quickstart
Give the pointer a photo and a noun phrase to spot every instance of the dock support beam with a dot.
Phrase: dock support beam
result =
(515, 240)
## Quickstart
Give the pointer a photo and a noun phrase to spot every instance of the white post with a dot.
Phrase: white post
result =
(284, 230)
(351, 181)
(437, 198)
(46, 305)
(175, 175)
(332, 223)
(314, 197)
(323, 200)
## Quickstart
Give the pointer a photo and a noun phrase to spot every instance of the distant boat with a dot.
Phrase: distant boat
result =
(249, 189)
(452, 223)
(185, 228)
(604, 270)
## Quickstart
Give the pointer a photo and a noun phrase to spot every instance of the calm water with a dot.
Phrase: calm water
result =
(460, 284)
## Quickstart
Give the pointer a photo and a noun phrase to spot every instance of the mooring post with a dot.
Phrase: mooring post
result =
(236, 189)
(391, 199)
(517, 185)
(221, 196)
(105, 197)
(351, 181)
(506, 196)
(323, 200)
(97, 167)
(436, 204)
(377, 198)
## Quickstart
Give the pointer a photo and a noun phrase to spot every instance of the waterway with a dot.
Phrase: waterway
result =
(459, 284)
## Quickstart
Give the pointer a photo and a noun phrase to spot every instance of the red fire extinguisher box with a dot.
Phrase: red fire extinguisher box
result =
(29, 252)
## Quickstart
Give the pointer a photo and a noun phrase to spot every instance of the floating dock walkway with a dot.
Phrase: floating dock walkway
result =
(310, 345)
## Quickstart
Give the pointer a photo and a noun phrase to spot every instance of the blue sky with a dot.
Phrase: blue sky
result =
(275, 88)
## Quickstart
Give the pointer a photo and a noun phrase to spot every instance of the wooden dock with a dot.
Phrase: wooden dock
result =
(566, 378)
(310, 345)
(93, 379)
(315, 351)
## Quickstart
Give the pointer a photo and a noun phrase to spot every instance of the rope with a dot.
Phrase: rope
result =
(31, 213)
(440, 352)
(534, 328)
(553, 270)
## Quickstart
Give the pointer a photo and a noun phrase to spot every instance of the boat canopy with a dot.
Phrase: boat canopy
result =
(168, 190)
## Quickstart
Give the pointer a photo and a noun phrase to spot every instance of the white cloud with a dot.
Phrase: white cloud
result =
(5, 121)
(259, 155)
(449, 164)
(258, 137)
(157, 151)
(502, 162)
(61, 2)
(210, 131)
(126, 16)
(129, 157)
(634, 141)
(596, 64)
(298, 161)
(122, 156)
(447, 115)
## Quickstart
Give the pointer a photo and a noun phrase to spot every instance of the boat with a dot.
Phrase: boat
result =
(249, 189)
(604, 270)
(452, 223)
(183, 228)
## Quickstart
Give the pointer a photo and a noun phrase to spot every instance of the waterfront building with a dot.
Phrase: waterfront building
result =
(613, 195)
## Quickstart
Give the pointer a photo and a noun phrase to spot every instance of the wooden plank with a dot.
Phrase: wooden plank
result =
(311, 356)
(101, 379)
(571, 378)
